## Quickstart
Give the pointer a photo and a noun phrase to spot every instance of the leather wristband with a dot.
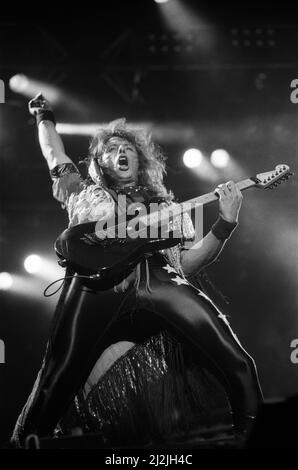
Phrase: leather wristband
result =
(45, 115)
(222, 229)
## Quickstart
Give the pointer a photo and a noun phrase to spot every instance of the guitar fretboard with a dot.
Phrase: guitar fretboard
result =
(169, 213)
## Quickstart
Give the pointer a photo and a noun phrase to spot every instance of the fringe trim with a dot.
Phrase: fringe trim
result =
(154, 393)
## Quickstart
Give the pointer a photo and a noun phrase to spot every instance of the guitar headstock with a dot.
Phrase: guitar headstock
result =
(271, 179)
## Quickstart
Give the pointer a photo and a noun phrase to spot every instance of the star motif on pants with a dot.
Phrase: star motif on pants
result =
(169, 269)
(179, 281)
(223, 317)
(204, 295)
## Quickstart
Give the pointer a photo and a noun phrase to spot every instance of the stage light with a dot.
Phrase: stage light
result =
(161, 1)
(50, 269)
(181, 18)
(19, 83)
(78, 129)
(192, 158)
(220, 158)
(33, 264)
(30, 287)
(29, 87)
(170, 132)
(5, 281)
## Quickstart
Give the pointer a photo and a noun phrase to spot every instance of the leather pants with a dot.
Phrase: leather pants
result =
(79, 334)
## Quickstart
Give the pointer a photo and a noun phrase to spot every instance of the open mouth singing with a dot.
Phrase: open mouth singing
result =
(123, 163)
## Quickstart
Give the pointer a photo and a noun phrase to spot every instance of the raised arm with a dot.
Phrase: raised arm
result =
(206, 251)
(50, 141)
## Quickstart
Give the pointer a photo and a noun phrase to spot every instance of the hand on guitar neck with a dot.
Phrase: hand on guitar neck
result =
(230, 200)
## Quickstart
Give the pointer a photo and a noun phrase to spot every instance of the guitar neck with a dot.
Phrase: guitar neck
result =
(212, 197)
(168, 213)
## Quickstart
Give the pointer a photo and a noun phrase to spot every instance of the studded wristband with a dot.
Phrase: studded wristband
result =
(45, 115)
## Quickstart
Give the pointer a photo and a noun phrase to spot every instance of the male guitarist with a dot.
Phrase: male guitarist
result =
(125, 161)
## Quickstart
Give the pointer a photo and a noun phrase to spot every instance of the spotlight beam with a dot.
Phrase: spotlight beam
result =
(220, 158)
(29, 87)
(6, 281)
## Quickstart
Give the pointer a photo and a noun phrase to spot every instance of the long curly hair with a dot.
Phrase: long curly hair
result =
(151, 158)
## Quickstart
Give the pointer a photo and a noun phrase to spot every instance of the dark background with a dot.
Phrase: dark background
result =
(219, 78)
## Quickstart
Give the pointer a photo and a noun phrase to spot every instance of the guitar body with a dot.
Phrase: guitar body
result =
(106, 261)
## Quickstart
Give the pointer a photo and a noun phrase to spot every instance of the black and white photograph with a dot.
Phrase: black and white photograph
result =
(148, 228)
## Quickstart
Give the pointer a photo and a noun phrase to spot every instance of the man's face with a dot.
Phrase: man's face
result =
(120, 157)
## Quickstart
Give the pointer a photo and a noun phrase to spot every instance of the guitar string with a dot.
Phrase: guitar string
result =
(245, 184)
(241, 185)
(124, 224)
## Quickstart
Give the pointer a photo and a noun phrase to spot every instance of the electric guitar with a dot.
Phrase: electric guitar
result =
(104, 259)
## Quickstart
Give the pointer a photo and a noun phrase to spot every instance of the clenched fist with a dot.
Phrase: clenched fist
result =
(230, 200)
(37, 104)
